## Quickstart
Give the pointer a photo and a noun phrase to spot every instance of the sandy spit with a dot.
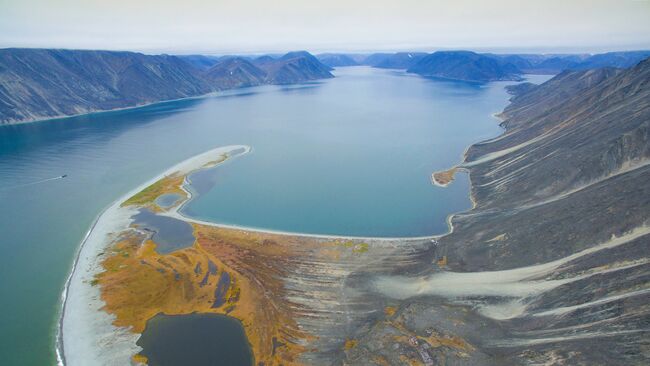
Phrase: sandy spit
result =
(86, 334)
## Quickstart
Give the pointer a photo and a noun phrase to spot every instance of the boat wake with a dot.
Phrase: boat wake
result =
(36, 182)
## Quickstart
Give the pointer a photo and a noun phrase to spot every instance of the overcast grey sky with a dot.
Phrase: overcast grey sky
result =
(244, 26)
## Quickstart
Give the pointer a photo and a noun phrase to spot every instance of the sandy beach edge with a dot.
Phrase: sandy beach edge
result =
(85, 333)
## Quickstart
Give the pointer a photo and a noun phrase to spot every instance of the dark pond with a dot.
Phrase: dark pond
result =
(195, 339)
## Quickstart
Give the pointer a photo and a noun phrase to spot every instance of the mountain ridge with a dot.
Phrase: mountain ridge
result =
(464, 66)
(37, 84)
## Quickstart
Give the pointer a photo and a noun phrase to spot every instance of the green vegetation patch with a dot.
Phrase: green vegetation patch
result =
(360, 248)
(357, 248)
(169, 184)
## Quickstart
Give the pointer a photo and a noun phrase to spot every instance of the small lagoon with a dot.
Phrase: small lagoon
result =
(205, 339)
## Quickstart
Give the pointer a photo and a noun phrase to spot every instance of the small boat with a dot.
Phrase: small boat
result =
(64, 175)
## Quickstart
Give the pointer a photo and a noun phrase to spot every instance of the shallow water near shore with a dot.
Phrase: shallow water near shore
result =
(169, 234)
(349, 156)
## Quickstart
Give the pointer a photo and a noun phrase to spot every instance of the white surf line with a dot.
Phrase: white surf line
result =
(176, 213)
(518, 283)
(86, 335)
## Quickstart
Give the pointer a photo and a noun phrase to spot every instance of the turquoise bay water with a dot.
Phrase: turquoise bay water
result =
(351, 155)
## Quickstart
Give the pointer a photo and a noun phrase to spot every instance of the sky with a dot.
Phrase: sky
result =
(256, 26)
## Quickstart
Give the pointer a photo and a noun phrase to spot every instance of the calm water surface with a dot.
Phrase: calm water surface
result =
(205, 339)
(351, 155)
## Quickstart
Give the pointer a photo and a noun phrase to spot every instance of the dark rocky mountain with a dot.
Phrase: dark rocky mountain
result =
(235, 72)
(41, 83)
(375, 59)
(201, 62)
(519, 89)
(400, 60)
(562, 208)
(336, 60)
(264, 59)
(539, 64)
(620, 60)
(465, 66)
(294, 67)
(554, 64)
(45, 83)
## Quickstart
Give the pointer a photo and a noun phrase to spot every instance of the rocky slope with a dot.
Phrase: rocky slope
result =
(550, 64)
(552, 265)
(465, 66)
(294, 67)
(200, 61)
(620, 60)
(38, 83)
(554, 64)
(235, 72)
(45, 83)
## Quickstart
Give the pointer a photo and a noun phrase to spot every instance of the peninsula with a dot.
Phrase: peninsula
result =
(530, 274)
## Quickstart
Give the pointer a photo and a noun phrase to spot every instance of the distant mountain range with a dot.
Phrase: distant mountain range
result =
(400, 60)
(471, 66)
(466, 66)
(337, 60)
(44, 83)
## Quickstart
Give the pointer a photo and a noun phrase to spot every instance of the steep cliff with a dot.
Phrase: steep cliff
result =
(39, 83)
(45, 83)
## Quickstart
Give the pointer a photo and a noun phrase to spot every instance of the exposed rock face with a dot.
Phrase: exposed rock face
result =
(295, 67)
(37, 83)
(550, 64)
(201, 62)
(235, 72)
(465, 66)
(621, 60)
(375, 58)
(44, 83)
(552, 265)
(519, 89)
(554, 64)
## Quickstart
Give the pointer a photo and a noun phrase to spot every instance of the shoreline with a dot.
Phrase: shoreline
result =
(112, 216)
(216, 93)
(186, 167)
(99, 111)
(176, 214)
(116, 216)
